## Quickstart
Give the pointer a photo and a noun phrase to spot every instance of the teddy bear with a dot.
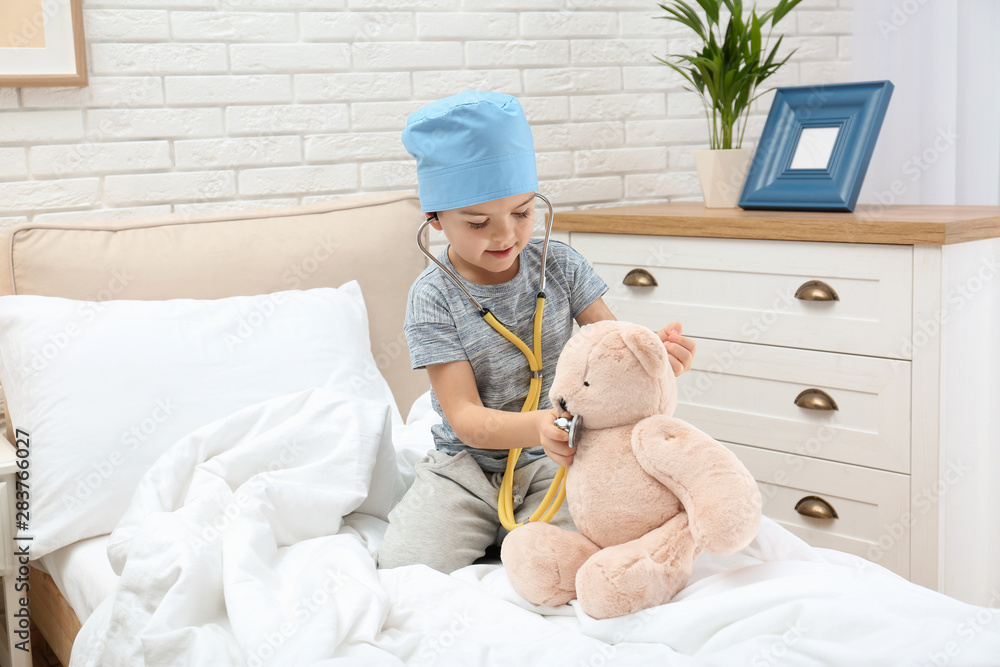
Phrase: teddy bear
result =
(647, 492)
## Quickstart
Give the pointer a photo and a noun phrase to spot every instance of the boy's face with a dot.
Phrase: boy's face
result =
(487, 239)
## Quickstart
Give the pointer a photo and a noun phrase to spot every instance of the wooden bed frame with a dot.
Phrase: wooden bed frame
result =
(51, 614)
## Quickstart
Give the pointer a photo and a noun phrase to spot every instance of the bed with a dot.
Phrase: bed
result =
(221, 420)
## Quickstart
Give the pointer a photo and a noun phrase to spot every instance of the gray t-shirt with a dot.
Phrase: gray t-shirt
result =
(442, 325)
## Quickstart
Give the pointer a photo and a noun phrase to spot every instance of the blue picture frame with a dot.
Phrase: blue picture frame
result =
(856, 110)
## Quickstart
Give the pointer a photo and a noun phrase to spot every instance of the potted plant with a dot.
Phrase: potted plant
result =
(726, 71)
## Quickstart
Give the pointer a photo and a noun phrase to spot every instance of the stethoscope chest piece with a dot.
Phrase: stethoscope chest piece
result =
(572, 426)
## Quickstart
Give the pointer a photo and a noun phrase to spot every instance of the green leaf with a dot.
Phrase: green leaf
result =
(709, 79)
(684, 14)
(783, 8)
(683, 72)
(777, 66)
(711, 8)
(774, 52)
(735, 16)
(680, 17)
(754, 39)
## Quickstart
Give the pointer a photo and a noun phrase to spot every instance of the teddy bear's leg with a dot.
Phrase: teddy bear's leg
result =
(541, 561)
(639, 574)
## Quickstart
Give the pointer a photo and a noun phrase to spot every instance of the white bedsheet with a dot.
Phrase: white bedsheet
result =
(287, 576)
(82, 573)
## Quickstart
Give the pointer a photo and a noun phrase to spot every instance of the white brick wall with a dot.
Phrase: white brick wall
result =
(211, 104)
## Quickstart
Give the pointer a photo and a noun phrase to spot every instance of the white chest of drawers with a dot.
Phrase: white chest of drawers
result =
(868, 406)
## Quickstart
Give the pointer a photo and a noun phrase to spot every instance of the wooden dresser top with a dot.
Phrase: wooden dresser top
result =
(901, 225)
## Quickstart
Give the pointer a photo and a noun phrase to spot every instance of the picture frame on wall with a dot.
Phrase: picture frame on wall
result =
(815, 147)
(42, 43)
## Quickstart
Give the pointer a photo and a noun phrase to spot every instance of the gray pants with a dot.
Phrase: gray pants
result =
(448, 517)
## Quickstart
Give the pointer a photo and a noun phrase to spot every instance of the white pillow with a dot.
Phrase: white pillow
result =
(103, 388)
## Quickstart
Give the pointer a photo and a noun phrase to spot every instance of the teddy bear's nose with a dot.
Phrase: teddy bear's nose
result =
(562, 404)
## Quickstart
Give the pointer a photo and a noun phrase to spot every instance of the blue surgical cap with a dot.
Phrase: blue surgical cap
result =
(470, 148)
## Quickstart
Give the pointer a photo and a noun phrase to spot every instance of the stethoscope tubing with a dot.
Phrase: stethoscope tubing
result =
(557, 491)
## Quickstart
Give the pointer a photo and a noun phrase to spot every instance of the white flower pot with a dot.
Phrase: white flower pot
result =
(722, 173)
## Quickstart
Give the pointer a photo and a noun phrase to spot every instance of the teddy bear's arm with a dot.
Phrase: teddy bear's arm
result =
(720, 496)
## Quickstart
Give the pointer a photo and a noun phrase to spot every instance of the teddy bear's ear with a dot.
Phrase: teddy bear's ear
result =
(648, 349)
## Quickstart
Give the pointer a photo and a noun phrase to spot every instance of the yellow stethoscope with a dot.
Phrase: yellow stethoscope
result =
(557, 490)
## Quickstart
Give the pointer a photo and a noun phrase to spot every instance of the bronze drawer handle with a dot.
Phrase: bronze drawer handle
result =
(815, 399)
(816, 290)
(639, 278)
(816, 507)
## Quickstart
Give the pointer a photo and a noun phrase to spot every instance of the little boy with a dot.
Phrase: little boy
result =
(477, 178)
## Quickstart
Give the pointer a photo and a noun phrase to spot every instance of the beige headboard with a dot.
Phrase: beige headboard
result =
(367, 237)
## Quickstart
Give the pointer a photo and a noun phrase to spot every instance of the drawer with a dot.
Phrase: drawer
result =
(872, 508)
(744, 289)
(746, 393)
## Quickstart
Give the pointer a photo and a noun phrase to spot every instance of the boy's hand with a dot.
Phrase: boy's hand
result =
(554, 439)
(680, 348)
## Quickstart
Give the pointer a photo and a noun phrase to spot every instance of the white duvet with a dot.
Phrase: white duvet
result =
(250, 542)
